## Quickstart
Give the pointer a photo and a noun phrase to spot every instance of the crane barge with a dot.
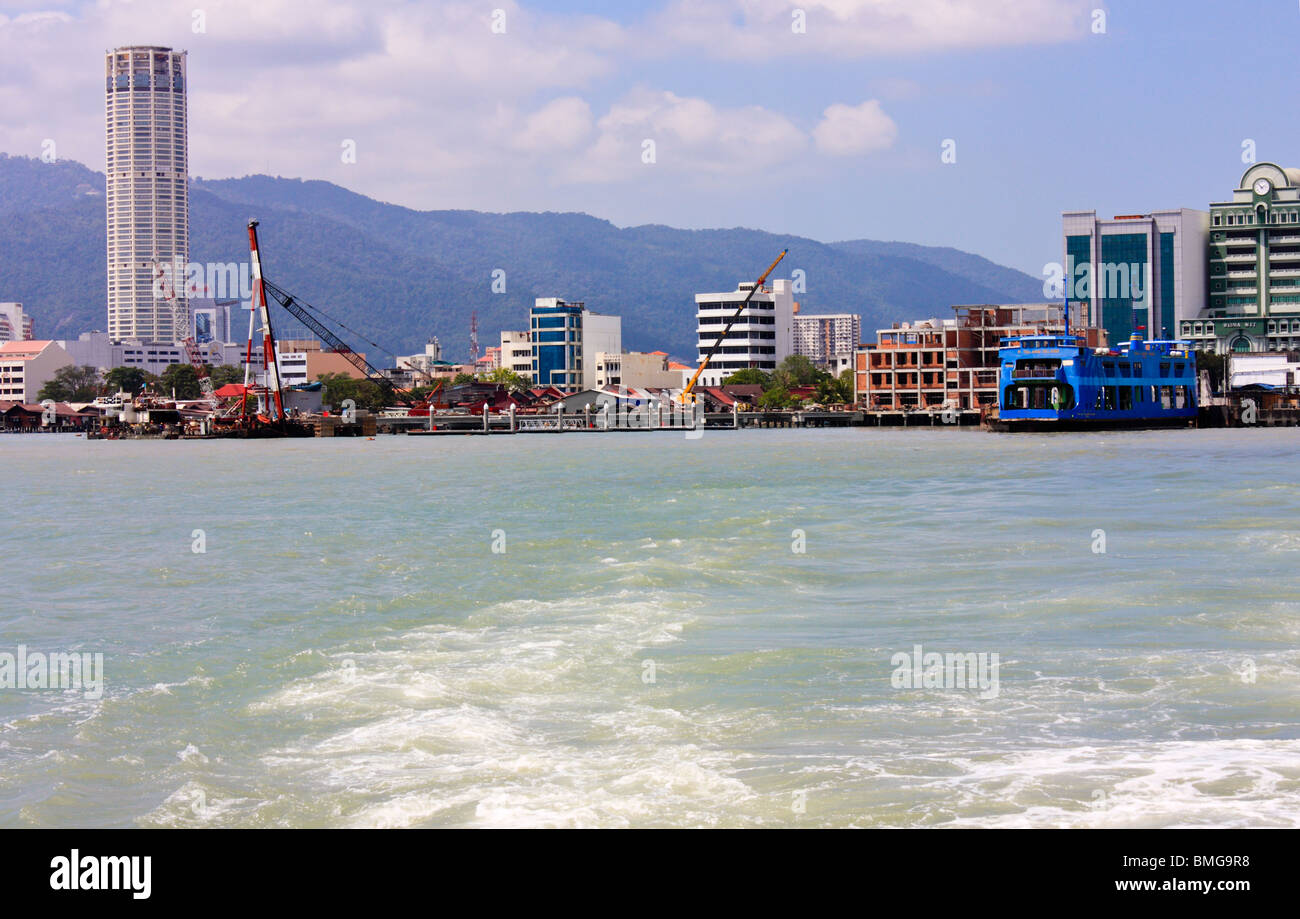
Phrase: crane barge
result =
(315, 319)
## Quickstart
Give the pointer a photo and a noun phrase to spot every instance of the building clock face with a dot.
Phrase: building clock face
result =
(1262, 186)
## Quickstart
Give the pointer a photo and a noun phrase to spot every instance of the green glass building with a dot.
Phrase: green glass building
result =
(1254, 267)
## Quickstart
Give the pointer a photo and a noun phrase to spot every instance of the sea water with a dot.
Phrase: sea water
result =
(637, 629)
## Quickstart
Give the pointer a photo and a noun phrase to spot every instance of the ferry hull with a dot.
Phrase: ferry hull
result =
(1040, 425)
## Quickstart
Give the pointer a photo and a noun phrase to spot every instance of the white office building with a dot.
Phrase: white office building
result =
(26, 366)
(99, 350)
(146, 174)
(517, 353)
(762, 337)
(15, 325)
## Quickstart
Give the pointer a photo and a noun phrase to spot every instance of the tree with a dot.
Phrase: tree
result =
(777, 397)
(507, 378)
(836, 390)
(797, 370)
(225, 374)
(336, 387)
(462, 378)
(127, 379)
(71, 384)
(750, 376)
(181, 379)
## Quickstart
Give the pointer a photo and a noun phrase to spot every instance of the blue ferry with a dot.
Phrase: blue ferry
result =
(1056, 382)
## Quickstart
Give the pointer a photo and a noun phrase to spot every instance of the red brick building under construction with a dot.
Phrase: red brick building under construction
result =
(935, 363)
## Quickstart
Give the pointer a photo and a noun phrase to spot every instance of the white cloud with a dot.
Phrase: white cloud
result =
(691, 137)
(561, 124)
(743, 28)
(850, 130)
(446, 113)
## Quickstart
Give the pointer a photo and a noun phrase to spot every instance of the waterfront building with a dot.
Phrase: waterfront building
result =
(948, 362)
(1139, 272)
(26, 366)
(635, 369)
(305, 360)
(210, 320)
(491, 360)
(1254, 267)
(762, 337)
(15, 325)
(147, 196)
(100, 350)
(517, 354)
(1276, 370)
(684, 372)
(565, 338)
(426, 362)
(828, 338)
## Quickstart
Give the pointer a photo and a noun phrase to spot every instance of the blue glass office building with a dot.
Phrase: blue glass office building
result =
(1137, 273)
(555, 335)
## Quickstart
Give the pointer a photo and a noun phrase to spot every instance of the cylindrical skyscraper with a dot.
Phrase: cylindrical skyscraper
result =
(147, 172)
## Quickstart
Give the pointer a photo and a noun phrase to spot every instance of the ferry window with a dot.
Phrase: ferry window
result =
(1125, 397)
(1164, 370)
(1155, 393)
(1110, 401)
(1180, 396)
(1109, 368)
(1166, 397)
(1125, 370)
(1137, 370)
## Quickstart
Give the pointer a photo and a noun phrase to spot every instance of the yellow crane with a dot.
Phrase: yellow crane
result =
(688, 394)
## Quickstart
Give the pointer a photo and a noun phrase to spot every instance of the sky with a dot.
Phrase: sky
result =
(964, 123)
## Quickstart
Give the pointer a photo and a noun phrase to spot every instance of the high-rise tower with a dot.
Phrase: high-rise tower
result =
(147, 170)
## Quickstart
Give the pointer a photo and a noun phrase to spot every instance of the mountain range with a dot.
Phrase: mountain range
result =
(398, 276)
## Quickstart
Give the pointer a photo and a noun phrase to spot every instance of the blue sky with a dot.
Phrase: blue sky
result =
(834, 133)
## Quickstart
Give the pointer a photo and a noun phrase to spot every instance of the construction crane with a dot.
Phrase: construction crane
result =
(305, 313)
(435, 386)
(688, 393)
(181, 333)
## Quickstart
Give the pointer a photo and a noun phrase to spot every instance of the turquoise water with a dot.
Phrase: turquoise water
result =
(648, 649)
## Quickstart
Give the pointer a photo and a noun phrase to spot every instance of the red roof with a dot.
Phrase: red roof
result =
(719, 396)
(230, 390)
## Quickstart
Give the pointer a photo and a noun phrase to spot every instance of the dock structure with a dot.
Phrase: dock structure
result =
(445, 423)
